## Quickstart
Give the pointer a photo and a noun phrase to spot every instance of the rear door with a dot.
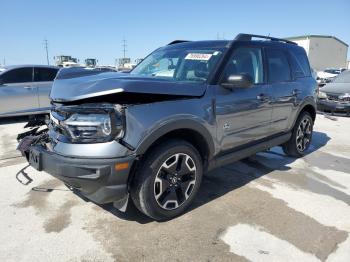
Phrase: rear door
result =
(43, 79)
(283, 88)
(243, 115)
(17, 93)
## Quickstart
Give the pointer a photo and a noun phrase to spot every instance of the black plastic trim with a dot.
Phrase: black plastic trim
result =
(248, 150)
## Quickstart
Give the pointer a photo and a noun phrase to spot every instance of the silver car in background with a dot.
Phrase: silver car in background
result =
(25, 89)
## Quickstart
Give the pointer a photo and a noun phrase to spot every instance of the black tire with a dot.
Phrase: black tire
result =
(156, 172)
(293, 147)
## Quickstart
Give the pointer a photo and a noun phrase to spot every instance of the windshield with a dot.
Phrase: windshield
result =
(343, 78)
(190, 65)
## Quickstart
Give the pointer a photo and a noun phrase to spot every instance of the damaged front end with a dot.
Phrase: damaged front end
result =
(37, 134)
(79, 145)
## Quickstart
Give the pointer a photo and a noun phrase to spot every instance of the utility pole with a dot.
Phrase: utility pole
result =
(46, 46)
(124, 45)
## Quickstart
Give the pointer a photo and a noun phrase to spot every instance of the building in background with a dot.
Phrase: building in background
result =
(323, 51)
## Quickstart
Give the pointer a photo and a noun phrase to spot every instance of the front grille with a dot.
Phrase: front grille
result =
(337, 98)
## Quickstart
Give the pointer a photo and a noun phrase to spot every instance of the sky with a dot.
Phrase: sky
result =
(83, 28)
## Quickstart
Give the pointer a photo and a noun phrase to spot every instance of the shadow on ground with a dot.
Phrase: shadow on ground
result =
(220, 181)
(223, 180)
(13, 120)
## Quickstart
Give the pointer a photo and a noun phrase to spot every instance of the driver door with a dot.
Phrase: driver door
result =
(243, 115)
(17, 93)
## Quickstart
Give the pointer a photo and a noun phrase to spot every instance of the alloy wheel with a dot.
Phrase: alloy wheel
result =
(175, 181)
(304, 132)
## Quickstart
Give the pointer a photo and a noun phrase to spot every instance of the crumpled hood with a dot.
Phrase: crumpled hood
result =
(336, 88)
(81, 86)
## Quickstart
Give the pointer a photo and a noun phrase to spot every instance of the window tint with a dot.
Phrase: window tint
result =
(44, 74)
(246, 60)
(19, 75)
(300, 64)
(279, 69)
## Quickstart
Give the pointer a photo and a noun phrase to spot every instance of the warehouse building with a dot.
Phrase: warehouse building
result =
(323, 51)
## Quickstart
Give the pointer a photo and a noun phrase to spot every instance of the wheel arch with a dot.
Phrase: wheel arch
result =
(188, 130)
(310, 109)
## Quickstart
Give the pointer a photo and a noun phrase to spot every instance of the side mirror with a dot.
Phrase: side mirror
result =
(243, 80)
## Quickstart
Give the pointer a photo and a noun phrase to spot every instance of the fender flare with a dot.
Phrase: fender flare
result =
(173, 126)
(307, 102)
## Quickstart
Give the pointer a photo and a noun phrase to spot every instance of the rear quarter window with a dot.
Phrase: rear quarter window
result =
(300, 64)
(278, 66)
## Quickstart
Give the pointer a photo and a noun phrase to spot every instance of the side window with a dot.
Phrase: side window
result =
(246, 60)
(278, 66)
(44, 74)
(300, 64)
(20, 75)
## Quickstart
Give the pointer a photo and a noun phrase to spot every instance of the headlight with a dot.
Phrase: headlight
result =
(322, 95)
(90, 125)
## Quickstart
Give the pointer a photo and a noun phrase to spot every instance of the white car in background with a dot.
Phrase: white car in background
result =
(25, 89)
(328, 75)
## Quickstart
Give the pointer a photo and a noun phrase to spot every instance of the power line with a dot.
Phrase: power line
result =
(46, 46)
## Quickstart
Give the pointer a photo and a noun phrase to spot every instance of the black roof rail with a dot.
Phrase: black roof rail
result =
(178, 41)
(248, 37)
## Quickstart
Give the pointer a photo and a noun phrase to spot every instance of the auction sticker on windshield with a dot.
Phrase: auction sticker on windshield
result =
(198, 56)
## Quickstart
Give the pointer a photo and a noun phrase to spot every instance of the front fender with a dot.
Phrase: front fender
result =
(188, 124)
(145, 123)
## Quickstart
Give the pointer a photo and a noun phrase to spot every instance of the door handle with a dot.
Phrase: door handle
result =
(28, 87)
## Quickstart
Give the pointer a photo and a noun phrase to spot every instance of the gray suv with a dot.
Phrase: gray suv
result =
(149, 135)
(25, 89)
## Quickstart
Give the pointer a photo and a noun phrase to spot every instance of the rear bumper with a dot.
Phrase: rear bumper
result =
(333, 107)
(95, 179)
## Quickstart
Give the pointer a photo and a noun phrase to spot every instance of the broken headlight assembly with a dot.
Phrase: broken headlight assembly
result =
(88, 124)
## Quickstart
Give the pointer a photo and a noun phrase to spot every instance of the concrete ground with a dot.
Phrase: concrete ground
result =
(265, 208)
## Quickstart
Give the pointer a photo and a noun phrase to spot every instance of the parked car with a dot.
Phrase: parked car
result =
(335, 71)
(334, 97)
(24, 89)
(152, 136)
(326, 76)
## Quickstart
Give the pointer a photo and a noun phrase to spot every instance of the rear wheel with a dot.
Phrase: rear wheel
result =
(167, 180)
(301, 136)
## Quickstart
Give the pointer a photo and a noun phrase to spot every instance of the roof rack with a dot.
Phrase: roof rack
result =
(248, 37)
(178, 41)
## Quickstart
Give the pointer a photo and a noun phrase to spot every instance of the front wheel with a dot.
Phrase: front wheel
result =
(167, 180)
(301, 136)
